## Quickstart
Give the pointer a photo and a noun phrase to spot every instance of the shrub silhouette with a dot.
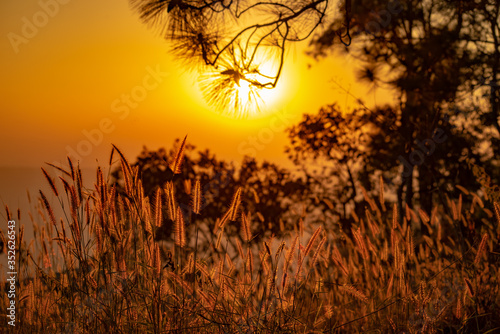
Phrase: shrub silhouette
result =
(99, 268)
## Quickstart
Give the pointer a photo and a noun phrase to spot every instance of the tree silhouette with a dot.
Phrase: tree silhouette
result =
(270, 193)
(352, 151)
(435, 55)
(424, 52)
(484, 35)
(229, 41)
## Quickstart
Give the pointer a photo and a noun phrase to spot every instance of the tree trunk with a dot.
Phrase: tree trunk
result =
(425, 182)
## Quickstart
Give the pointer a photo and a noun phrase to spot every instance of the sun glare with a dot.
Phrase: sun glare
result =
(251, 101)
(244, 90)
(247, 98)
(238, 90)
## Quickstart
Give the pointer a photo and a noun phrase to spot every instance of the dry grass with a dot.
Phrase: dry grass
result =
(99, 268)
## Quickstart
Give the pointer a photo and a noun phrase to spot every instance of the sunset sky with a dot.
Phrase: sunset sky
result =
(69, 72)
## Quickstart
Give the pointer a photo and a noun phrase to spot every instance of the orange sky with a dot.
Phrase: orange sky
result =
(74, 71)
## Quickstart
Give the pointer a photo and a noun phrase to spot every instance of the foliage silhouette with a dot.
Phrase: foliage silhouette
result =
(432, 55)
(435, 56)
(269, 192)
(228, 41)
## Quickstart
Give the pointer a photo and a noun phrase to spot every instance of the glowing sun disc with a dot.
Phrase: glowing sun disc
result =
(235, 91)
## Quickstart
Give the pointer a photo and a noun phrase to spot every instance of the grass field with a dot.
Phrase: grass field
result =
(99, 268)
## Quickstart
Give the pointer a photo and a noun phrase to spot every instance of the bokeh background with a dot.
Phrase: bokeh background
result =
(67, 66)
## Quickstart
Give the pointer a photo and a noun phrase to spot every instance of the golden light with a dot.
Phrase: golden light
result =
(247, 99)
(238, 91)
(244, 91)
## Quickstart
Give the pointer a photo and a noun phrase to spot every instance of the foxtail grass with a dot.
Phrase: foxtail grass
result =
(100, 267)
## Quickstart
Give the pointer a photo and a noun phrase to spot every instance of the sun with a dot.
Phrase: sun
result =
(244, 90)
(240, 91)
(250, 99)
